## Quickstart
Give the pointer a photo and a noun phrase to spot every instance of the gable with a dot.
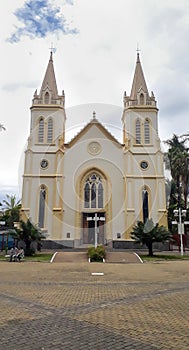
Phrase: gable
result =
(93, 130)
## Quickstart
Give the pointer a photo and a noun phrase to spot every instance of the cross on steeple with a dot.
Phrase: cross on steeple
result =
(137, 50)
(52, 50)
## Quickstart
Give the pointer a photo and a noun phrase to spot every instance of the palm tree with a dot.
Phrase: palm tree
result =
(2, 127)
(177, 162)
(148, 233)
(28, 233)
(12, 209)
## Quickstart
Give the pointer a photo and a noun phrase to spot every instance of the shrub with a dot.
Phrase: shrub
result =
(96, 254)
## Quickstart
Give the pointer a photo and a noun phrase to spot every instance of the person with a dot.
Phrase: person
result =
(20, 254)
(13, 253)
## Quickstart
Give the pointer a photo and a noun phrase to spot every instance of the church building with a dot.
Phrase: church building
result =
(93, 189)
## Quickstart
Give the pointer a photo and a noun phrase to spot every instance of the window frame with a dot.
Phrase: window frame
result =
(93, 192)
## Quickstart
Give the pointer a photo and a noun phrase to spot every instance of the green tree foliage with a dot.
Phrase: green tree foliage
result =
(148, 233)
(173, 204)
(12, 210)
(96, 254)
(28, 233)
(2, 127)
(177, 162)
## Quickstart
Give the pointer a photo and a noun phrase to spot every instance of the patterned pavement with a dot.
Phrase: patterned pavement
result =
(47, 306)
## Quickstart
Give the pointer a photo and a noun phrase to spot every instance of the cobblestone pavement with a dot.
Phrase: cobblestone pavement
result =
(63, 306)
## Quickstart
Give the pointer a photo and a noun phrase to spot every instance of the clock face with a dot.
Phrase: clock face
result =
(144, 164)
(44, 163)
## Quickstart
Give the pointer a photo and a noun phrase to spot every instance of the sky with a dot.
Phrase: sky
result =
(94, 51)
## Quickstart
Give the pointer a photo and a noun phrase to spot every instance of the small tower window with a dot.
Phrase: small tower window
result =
(46, 98)
(41, 130)
(50, 131)
(142, 99)
(146, 131)
(138, 132)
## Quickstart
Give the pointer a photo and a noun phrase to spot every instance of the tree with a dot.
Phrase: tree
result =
(148, 233)
(172, 205)
(2, 127)
(177, 162)
(28, 233)
(12, 210)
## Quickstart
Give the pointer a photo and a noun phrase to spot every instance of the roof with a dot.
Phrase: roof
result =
(138, 80)
(50, 80)
(92, 122)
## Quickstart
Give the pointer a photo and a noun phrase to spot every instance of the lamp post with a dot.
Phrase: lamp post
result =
(96, 218)
(179, 214)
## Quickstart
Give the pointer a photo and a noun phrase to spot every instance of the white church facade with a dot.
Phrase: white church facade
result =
(65, 185)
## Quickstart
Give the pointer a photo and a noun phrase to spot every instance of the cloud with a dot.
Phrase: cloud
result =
(40, 18)
(12, 87)
(70, 2)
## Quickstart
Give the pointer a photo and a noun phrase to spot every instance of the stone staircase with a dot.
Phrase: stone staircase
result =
(123, 257)
(73, 256)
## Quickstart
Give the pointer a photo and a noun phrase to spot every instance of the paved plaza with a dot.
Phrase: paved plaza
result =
(45, 306)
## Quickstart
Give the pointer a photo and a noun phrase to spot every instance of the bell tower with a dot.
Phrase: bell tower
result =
(43, 172)
(143, 159)
(47, 111)
(138, 107)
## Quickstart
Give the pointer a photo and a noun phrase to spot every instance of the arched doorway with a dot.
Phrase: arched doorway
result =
(93, 203)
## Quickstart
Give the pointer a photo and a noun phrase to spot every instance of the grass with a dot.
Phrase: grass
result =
(161, 257)
(39, 257)
(46, 257)
(43, 257)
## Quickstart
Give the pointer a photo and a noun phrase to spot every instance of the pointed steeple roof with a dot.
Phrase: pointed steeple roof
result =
(49, 80)
(138, 81)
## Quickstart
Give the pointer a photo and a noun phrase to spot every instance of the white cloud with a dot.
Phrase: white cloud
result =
(38, 19)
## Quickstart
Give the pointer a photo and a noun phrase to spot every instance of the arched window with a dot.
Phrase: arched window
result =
(93, 195)
(146, 131)
(42, 197)
(41, 130)
(50, 131)
(46, 98)
(93, 192)
(100, 196)
(145, 208)
(138, 131)
(141, 99)
(87, 195)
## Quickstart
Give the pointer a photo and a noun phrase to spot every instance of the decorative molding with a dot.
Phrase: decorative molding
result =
(43, 175)
(145, 177)
(94, 148)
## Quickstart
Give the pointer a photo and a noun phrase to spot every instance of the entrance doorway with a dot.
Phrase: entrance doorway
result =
(89, 229)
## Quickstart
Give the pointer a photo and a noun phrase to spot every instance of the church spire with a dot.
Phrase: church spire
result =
(49, 81)
(139, 82)
(49, 93)
(139, 92)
